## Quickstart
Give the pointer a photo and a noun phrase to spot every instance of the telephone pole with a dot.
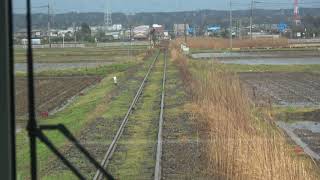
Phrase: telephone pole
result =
(253, 2)
(74, 32)
(49, 33)
(185, 32)
(231, 43)
(240, 29)
(251, 19)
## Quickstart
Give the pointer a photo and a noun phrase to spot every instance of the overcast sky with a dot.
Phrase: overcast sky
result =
(131, 6)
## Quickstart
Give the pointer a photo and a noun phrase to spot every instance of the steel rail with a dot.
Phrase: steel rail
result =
(113, 145)
(157, 170)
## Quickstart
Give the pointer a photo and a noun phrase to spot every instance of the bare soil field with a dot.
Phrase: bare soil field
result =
(51, 92)
(38, 67)
(296, 89)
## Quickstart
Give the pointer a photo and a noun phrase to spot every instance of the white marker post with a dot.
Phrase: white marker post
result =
(115, 80)
(63, 40)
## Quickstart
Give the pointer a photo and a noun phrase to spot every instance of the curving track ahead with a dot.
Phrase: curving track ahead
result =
(107, 157)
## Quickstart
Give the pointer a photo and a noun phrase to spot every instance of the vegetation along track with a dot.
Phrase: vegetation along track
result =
(143, 109)
(108, 105)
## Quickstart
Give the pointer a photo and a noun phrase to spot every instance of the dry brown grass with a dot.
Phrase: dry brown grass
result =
(240, 145)
(219, 43)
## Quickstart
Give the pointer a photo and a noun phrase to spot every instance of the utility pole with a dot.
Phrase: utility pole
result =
(74, 32)
(253, 2)
(251, 19)
(63, 40)
(240, 29)
(130, 34)
(49, 33)
(185, 32)
(231, 43)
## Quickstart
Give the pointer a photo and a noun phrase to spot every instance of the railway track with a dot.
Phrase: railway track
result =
(113, 146)
(157, 171)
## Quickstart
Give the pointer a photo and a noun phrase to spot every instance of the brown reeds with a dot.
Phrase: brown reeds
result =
(220, 43)
(239, 145)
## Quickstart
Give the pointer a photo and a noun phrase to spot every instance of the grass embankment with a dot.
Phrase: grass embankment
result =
(134, 157)
(72, 55)
(76, 117)
(242, 143)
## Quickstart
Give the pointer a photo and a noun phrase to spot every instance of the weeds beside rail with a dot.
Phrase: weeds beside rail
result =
(241, 145)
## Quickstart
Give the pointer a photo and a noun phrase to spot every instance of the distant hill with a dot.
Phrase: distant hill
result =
(200, 18)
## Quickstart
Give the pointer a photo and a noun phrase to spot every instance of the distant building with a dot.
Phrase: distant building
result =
(179, 29)
(264, 35)
(141, 32)
(36, 33)
(158, 28)
(33, 41)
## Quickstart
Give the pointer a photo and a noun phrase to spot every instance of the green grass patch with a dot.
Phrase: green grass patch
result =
(99, 71)
(293, 114)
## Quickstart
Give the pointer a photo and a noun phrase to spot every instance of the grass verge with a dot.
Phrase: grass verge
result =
(241, 143)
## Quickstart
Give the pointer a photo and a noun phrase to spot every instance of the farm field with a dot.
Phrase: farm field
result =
(303, 128)
(39, 67)
(255, 54)
(286, 89)
(52, 95)
(51, 92)
(72, 55)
